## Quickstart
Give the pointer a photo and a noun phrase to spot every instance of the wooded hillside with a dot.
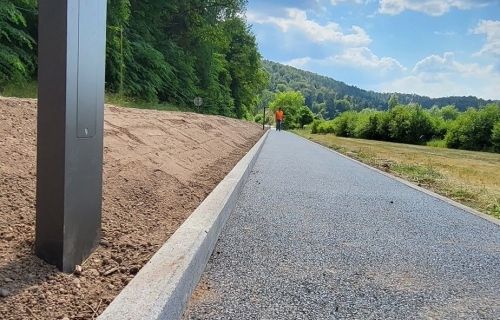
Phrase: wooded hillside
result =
(157, 50)
(330, 97)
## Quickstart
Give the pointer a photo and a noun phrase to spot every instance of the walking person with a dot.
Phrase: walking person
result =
(279, 119)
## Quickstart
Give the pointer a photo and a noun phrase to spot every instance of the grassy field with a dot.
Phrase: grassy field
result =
(471, 178)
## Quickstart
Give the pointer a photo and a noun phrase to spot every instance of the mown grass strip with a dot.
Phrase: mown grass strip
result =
(468, 177)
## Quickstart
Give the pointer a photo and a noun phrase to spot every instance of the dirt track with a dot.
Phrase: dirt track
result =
(158, 167)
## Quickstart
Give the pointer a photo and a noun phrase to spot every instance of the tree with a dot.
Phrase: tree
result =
(449, 113)
(320, 89)
(248, 77)
(473, 129)
(345, 124)
(410, 124)
(117, 44)
(495, 137)
(305, 116)
(174, 51)
(393, 101)
(291, 102)
(367, 124)
(17, 46)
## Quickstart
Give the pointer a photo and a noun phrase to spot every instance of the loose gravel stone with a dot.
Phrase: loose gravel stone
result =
(77, 283)
(78, 270)
(317, 236)
(4, 293)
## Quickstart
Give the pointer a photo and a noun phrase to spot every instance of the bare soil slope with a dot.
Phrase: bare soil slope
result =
(158, 167)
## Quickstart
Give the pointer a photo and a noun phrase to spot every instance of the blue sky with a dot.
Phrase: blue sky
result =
(429, 47)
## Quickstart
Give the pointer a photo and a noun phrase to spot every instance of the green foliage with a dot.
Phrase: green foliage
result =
(17, 45)
(329, 98)
(393, 101)
(248, 77)
(147, 73)
(305, 116)
(160, 52)
(117, 99)
(442, 118)
(117, 45)
(315, 124)
(495, 137)
(437, 143)
(291, 102)
(258, 118)
(20, 89)
(472, 130)
(367, 124)
(418, 173)
(345, 124)
(449, 113)
(325, 127)
(475, 129)
(410, 124)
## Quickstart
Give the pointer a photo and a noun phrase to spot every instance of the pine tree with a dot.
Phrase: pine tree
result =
(17, 47)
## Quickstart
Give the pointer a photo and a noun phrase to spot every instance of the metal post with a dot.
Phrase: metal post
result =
(264, 119)
(71, 56)
(122, 63)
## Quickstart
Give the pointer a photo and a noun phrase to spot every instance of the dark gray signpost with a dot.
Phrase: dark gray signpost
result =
(71, 57)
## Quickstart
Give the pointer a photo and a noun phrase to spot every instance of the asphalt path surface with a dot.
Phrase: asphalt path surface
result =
(318, 236)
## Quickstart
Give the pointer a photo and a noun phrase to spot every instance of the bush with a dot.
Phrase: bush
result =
(366, 124)
(258, 118)
(473, 129)
(436, 143)
(326, 127)
(410, 124)
(345, 124)
(440, 127)
(383, 120)
(305, 116)
(314, 126)
(495, 137)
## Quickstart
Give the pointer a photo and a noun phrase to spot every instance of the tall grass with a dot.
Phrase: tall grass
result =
(437, 143)
(30, 90)
(20, 90)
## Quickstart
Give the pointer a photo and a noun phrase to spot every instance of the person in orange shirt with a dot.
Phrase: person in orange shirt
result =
(279, 118)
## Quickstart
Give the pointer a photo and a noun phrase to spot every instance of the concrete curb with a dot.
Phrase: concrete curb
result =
(411, 185)
(164, 285)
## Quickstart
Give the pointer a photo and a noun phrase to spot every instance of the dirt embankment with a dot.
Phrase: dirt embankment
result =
(158, 167)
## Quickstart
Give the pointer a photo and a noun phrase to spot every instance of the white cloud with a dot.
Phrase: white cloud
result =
(430, 7)
(359, 58)
(299, 63)
(445, 33)
(330, 33)
(336, 2)
(438, 76)
(447, 64)
(435, 64)
(434, 76)
(364, 58)
(492, 31)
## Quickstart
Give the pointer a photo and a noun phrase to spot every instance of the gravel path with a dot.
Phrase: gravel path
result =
(317, 236)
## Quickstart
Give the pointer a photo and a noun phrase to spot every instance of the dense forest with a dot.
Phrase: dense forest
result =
(157, 50)
(329, 97)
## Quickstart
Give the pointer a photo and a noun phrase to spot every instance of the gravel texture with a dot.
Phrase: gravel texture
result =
(317, 236)
(158, 167)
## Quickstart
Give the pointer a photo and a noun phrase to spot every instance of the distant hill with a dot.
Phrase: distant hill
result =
(330, 97)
